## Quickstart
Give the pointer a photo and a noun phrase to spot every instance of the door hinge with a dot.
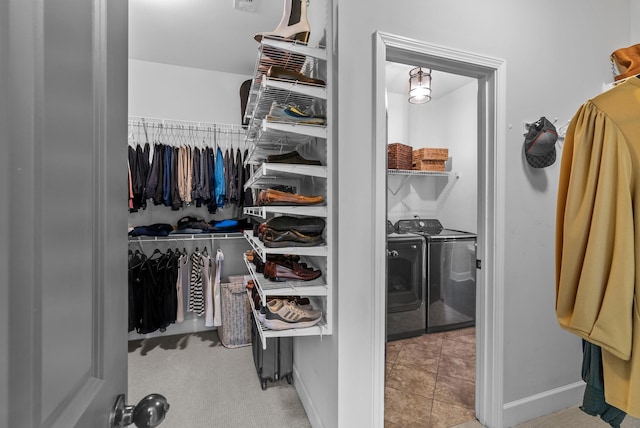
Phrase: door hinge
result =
(478, 264)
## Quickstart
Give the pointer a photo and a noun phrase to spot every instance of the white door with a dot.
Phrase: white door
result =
(63, 89)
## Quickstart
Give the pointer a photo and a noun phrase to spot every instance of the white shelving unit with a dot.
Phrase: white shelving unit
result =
(267, 174)
(266, 137)
(265, 212)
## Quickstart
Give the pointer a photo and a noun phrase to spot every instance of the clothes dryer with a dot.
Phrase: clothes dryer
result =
(450, 273)
(406, 286)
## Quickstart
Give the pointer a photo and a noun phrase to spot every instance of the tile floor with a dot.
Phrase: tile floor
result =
(430, 380)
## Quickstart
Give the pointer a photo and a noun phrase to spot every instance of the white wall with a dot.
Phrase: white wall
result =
(542, 79)
(460, 134)
(167, 91)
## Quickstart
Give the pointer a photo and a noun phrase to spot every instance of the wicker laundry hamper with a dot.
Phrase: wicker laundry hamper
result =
(236, 314)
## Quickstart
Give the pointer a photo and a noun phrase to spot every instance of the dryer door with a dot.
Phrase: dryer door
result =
(405, 275)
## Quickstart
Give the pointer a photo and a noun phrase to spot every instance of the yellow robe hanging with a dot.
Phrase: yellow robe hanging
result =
(598, 237)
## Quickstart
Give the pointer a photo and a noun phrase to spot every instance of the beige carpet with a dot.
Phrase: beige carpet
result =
(208, 385)
(572, 417)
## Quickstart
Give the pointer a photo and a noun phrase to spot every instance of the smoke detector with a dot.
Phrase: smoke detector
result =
(246, 5)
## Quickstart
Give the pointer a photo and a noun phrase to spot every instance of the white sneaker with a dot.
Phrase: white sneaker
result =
(282, 315)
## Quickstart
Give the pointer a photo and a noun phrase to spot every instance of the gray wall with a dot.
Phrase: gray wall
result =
(557, 56)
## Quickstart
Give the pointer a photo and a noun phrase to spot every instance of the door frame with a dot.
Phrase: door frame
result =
(491, 76)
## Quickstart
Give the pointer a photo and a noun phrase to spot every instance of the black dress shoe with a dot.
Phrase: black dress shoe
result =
(276, 72)
(306, 225)
(292, 158)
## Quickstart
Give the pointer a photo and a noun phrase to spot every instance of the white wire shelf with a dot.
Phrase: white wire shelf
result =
(290, 55)
(282, 92)
(318, 52)
(269, 173)
(319, 329)
(276, 138)
(266, 211)
(258, 246)
(316, 287)
(410, 172)
(185, 237)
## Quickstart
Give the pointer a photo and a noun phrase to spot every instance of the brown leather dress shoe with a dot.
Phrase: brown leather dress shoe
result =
(276, 197)
(276, 272)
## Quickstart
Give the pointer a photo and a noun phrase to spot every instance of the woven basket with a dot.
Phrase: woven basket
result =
(428, 153)
(236, 315)
(399, 156)
(429, 165)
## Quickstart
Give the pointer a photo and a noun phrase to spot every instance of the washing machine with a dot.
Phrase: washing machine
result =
(450, 273)
(406, 286)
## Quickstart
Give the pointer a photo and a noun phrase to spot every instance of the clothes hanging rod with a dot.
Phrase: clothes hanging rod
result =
(175, 124)
(187, 237)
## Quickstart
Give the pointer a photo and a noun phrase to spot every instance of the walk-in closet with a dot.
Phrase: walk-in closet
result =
(230, 219)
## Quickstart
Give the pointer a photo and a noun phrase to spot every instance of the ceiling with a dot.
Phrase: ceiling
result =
(213, 35)
(206, 34)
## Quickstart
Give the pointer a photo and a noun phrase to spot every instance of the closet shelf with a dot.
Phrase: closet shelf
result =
(283, 92)
(317, 52)
(277, 138)
(256, 244)
(275, 129)
(316, 287)
(264, 211)
(186, 237)
(317, 330)
(269, 173)
(290, 55)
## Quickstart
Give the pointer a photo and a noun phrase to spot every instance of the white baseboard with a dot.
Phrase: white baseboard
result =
(307, 403)
(547, 402)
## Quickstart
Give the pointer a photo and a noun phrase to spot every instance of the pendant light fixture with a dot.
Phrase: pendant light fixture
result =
(419, 85)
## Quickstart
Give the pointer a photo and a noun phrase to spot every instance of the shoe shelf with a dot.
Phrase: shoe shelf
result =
(267, 174)
(317, 52)
(317, 330)
(266, 287)
(281, 91)
(270, 131)
(276, 137)
(290, 55)
(265, 211)
(258, 246)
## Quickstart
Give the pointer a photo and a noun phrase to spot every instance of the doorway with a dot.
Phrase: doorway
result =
(430, 371)
(489, 74)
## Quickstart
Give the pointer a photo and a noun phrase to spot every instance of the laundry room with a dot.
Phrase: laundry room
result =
(431, 237)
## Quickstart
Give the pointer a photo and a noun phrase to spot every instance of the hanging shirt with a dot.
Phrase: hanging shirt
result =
(196, 292)
(195, 176)
(207, 286)
(248, 194)
(220, 184)
(166, 179)
(239, 170)
(598, 237)
(217, 320)
(182, 286)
